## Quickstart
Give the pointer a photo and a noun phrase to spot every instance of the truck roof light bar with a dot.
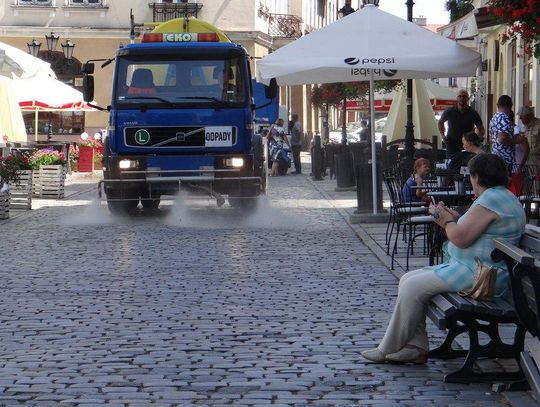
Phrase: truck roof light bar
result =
(180, 37)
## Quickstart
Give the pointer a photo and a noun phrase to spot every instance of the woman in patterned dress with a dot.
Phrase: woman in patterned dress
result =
(495, 214)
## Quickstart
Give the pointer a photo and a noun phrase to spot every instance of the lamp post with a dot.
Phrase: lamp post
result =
(409, 127)
(343, 12)
(33, 47)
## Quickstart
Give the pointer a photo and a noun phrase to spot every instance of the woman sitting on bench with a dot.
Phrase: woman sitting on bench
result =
(495, 214)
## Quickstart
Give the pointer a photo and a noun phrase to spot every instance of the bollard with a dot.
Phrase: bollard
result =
(316, 158)
(344, 170)
(364, 188)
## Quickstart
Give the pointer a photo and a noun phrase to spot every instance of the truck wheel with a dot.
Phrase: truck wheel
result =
(245, 199)
(248, 204)
(118, 207)
(150, 203)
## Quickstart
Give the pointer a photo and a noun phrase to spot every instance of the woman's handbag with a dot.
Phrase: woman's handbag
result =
(485, 278)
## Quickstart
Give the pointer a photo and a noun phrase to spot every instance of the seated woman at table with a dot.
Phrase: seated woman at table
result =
(421, 169)
(472, 145)
(495, 214)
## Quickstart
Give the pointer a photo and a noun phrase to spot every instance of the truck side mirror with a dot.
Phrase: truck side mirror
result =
(88, 88)
(270, 91)
(88, 68)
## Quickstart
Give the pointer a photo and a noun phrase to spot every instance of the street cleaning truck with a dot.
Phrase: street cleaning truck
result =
(182, 115)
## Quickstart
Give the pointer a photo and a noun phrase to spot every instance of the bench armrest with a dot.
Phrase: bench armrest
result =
(514, 252)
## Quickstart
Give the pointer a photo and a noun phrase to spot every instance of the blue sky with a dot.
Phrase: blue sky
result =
(433, 10)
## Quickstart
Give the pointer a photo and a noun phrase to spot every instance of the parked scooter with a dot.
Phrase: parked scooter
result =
(283, 158)
(279, 149)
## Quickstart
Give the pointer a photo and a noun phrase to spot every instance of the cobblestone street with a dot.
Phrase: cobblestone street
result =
(202, 306)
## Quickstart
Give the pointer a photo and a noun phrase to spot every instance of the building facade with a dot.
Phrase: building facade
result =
(505, 68)
(97, 28)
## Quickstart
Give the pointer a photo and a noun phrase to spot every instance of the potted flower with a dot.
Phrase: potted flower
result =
(49, 173)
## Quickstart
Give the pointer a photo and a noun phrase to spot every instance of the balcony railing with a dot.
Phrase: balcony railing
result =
(285, 26)
(165, 11)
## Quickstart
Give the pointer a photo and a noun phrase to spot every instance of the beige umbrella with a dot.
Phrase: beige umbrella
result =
(425, 124)
(11, 120)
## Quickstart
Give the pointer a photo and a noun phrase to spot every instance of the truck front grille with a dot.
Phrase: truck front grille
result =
(168, 137)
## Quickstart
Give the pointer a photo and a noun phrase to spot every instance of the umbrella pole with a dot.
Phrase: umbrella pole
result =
(36, 125)
(373, 146)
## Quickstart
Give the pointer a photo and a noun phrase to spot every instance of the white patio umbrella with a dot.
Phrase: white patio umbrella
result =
(11, 120)
(425, 125)
(15, 63)
(366, 45)
(47, 94)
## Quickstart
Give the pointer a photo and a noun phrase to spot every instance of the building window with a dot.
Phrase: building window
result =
(34, 2)
(86, 2)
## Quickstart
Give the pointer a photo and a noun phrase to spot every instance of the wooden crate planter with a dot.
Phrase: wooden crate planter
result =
(21, 192)
(4, 205)
(49, 181)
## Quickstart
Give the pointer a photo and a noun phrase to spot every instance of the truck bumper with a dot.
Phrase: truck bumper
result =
(146, 179)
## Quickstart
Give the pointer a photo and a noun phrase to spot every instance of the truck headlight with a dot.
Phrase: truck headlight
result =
(127, 164)
(235, 162)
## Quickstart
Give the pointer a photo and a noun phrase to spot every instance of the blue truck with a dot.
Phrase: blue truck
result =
(182, 115)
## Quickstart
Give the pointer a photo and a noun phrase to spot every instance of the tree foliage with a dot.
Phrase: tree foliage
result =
(333, 94)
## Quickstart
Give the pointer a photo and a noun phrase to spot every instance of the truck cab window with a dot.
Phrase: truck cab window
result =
(181, 82)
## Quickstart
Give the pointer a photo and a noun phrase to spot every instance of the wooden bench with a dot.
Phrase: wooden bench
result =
(525, 280)
(460, 315)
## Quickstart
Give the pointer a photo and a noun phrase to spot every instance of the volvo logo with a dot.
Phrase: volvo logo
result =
(180, 136)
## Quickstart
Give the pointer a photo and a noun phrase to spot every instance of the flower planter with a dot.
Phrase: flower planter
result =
(4, 205)
(49, 181)
(86, 159)
(21, 192)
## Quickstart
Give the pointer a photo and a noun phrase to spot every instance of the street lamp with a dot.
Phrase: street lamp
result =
(409, 127)
(67, 48)
(52, 41)
(33, 47)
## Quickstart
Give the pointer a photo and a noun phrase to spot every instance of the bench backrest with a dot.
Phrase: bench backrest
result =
(524, 276)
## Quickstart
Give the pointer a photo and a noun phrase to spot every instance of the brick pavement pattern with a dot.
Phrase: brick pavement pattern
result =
(204, 307)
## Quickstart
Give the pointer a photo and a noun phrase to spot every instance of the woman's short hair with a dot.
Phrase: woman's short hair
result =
(490, 169)
(419, 162)
(504, 101)
(472, 137)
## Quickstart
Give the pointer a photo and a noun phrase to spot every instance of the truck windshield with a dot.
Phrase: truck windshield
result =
(177, 81)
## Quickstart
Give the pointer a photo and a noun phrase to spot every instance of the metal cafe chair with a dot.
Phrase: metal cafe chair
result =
(401, 213)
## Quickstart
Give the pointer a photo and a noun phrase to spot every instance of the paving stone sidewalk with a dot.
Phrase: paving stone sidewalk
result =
(225, 331)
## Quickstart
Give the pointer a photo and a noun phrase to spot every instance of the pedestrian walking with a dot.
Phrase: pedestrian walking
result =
(503, 139)
(365, 133)
(297, 140)
(531, 130)
(461, 119)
